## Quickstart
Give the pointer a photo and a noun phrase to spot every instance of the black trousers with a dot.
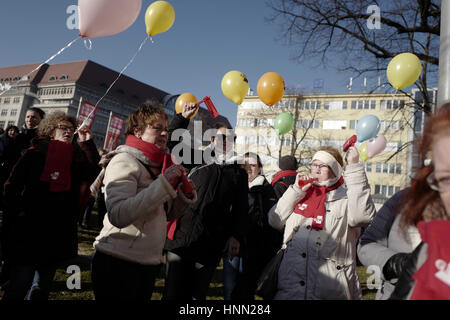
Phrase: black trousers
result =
(117, 279)
(186, 279)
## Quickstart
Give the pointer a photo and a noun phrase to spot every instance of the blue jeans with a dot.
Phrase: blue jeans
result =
(28, 277)
(231, 269)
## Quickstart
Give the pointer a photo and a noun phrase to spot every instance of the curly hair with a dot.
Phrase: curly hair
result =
(420, 195)
(49, 123)
(145, 116)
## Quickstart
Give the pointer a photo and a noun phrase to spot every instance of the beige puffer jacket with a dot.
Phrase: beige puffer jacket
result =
(134, 229)
(321, 264)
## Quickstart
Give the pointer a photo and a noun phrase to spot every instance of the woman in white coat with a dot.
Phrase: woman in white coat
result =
(322, 223)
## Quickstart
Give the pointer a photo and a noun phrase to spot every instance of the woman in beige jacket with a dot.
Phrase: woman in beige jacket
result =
(322, 223)
(142, 192)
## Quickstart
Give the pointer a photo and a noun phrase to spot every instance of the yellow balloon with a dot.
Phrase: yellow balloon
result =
(235, 86)
(159, 17)
(363, 153)
(270, 88)
(182, 100)
(403, 70)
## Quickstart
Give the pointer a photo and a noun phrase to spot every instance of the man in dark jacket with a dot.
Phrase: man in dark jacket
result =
(284, 178)
(33, 117)
(217, 223)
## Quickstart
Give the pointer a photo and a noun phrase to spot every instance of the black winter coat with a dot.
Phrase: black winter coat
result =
(42, 225)
(220, 212)
(282, 184)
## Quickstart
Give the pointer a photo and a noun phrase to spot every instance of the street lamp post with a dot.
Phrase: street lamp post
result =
(444, 55)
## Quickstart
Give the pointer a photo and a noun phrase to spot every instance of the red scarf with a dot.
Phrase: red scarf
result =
(162, 159)
(281, 174)
(433, 278)
(313, 204)
(57, 166)
(151, 151)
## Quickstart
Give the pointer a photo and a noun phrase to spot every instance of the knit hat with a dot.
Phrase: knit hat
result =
(288, 163)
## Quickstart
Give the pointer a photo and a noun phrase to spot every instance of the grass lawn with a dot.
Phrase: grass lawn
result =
(86, 237)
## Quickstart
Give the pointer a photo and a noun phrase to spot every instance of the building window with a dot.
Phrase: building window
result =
(352, 124)
(369, 166)
(391, 168)
(397, 189)
(398, 168)
(378, 167)
(4, 112)
(63, 77)
(16, 100)
(7, 100)
(377, 189)
(13, 112)
(373, 104)
(360, 104)
(353, 104)
(390, 191)
(366, 104)
(385, 167)
(52, 78)
(11, 123)
(383, 190)
(344, 105)
(2, 124)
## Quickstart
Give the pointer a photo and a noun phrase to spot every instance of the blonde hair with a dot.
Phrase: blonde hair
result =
(49, 123)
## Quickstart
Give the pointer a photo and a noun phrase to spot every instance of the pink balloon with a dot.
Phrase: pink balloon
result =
(99, 18)
(376, 145)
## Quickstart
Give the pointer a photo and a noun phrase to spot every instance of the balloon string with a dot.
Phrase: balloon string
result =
(25, 77)
(112, 84)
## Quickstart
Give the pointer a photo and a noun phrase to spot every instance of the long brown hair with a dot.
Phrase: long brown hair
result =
(420, 195)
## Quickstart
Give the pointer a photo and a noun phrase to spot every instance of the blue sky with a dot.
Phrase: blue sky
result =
(208, 39)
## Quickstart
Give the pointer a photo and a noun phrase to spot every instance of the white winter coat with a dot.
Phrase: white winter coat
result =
(321, 264)
(134, 229)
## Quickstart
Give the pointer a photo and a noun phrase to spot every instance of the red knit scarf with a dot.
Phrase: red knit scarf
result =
(281, 174)
(57, 166)
(152, 152)
(313, 204)
(433, 278)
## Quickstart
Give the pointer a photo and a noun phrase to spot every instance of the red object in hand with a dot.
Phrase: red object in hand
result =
(302, 183)
(187, 187)
(349, 143)
(210, 105)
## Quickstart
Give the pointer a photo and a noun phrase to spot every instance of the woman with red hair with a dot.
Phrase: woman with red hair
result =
(426, 274)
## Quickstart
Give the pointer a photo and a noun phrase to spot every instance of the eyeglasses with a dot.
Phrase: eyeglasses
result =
(160, 129)
(442, 184)
(65, 128)
(319, 166)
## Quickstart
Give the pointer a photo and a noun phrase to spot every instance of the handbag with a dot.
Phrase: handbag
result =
(268, 281)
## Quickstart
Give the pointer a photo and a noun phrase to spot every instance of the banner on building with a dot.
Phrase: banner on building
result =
(113, 132)
(86, 114)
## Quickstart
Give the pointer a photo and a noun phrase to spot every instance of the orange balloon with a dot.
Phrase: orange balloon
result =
(182, 100)
(270, 88)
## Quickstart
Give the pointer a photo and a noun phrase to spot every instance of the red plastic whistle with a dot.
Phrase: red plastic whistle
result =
(210, 105)
(302, 183)
(187, 187)
(349, 143)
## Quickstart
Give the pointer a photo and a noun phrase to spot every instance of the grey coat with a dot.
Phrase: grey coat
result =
(381, 240)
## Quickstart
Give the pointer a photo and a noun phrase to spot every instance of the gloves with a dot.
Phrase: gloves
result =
(395, 265)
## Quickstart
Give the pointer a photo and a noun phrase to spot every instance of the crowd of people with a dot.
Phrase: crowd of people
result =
(188, 217)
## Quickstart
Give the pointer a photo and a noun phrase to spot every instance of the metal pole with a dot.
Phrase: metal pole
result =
(444, 55)
(79, 107)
